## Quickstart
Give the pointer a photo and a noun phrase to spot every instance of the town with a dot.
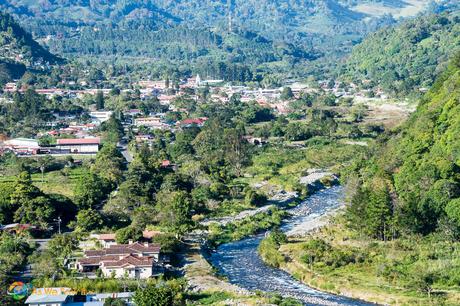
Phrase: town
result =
(81, 130)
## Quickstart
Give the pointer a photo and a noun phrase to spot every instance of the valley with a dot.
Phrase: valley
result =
(169, 153)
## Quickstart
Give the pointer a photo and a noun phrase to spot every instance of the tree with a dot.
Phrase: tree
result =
(114, 302)
(423, 281)
(88, 220)
(35, 211)
(254, 198)
(62, 245)
(113, 129)
(109, 164)
(236, 150)
(31, 204)
(6, 207)
(453, 211)
(90, 191)
(127, 234)
(287, 93)
(43, 162)
(99, 100)
(175, 210)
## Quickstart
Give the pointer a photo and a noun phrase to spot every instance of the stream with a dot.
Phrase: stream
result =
(241, 264)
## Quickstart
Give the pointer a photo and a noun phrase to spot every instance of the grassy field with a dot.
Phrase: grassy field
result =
(283, 166)
(60, 181)
(381, 272)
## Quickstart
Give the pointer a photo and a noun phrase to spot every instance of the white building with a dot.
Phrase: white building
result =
(152, 122)
(135, 260)
(79, 145)
(101, 116)
(21, 145)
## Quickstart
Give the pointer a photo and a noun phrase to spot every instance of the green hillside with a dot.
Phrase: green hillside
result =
(412, 182)
(148, 28)
(405, 58)
(16, 45)
(19, 51)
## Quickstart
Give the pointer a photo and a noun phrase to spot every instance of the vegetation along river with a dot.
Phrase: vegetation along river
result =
(241, 264)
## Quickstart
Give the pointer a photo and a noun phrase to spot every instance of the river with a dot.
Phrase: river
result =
(241, 264)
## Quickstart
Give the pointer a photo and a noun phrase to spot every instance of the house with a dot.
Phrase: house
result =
(192, 122)
(134, 260)
(255, 140)
(100, 116)
(152, 122)
(152, 84)
(17, 228)
(10, 87)
(79, 145)
(22, 145)
(133, 112)
(166, 164)
(106, 240)
(143, 138)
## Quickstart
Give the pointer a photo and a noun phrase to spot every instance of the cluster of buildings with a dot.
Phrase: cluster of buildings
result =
(79, 137)
(26, 146)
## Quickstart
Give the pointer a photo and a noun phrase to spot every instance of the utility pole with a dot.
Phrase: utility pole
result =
(58, 220)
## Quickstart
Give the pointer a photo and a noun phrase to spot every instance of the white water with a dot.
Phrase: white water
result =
(241, 264)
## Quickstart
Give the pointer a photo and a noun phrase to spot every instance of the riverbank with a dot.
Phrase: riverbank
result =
(251, 222)
(241, 265)
(209, 289)
(333, 260)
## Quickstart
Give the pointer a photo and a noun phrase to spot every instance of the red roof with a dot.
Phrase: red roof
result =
(197, 121)
(120, 249)
(78, 141)
(130, 261)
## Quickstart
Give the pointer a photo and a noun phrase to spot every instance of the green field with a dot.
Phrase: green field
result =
(59, 182)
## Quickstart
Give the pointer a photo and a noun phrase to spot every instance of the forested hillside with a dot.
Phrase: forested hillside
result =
(197, 48)
(280, 32)
(18, 45)
(408, 57)
(19, 51)
(411, 184)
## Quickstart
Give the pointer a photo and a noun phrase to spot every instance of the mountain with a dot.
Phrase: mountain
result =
(19, 51)
(16, 45)
(406, 57)
(411, 184)
(315, 26)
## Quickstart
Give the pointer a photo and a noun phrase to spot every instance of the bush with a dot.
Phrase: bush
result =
(163, 294)
(254, 198)
(169, 243)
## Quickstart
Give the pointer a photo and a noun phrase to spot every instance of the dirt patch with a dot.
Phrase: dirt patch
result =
(390, 115)
(200, 274)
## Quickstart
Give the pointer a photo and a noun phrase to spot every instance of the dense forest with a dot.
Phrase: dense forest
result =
(411, 184)
(383, 57)
(276, 33)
